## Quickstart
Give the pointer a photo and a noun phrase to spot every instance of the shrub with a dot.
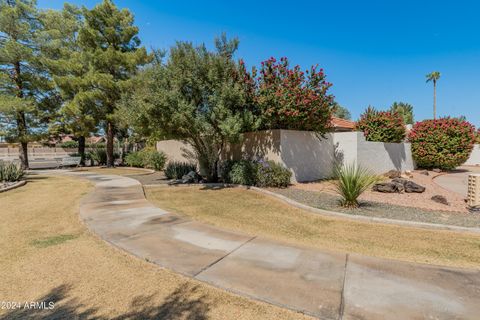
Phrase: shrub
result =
(272, 174)
(69, 144)
(99, 155)
(443, 143)
(134, 159)
(242, 172)
(352, 181)
(382, 126)
(10, 172)
(176, 169)
(256, 173)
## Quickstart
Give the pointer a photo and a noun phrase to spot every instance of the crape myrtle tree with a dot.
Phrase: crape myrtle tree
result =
(68, 66)
(196, 95)
(108, 41)
(290, 98)
(27, 97)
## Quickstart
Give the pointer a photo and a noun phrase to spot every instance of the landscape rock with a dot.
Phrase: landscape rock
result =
(436, 170)
(440, 199)
(388, 187)
(409, 186)
(393, 174)
(424, 172)
(191, 177)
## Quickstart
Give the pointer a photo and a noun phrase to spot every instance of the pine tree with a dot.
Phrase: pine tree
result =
(108, 40)
(26, 96)
(68, 65)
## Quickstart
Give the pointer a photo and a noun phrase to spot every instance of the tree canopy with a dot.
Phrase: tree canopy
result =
(405, 110)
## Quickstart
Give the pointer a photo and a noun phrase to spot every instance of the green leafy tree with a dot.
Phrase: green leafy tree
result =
(405, 110)
(79, 115)
(108, 41)
(197, 96)
(26, 90)
(341, 112)
(433, 77)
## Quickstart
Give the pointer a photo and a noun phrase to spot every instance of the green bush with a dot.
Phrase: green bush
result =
(352, 181)
(176, 169)
(99, 156)
(242, 172)
(256, 173)
(10, 172)
(69, 144)
(146, 158)
(443, 143)
(382, 126)
(272, 174)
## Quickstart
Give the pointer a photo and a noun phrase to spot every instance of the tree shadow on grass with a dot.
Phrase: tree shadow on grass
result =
(184, 303)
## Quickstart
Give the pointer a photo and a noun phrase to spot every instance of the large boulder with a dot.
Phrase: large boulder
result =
(191, 177)
(409, 186)
(388, 187)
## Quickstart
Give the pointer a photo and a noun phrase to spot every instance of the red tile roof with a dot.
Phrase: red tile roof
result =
(342, 123)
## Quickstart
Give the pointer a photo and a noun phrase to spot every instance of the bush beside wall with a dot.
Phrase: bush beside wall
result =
(382, 126)
(146, 158)
(256, 173)
(443, 143)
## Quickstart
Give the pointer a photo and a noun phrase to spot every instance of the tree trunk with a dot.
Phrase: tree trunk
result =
(22, 135)
(434, 100)
(23, 154)
(110, 135)
(81, 150)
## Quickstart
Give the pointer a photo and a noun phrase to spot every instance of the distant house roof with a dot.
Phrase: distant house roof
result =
(342, 124)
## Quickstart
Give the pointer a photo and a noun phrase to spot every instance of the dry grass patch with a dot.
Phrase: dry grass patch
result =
(257, 214)
(48, 255)
(117, 170)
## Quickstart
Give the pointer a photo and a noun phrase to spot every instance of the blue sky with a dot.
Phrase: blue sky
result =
(374, 52)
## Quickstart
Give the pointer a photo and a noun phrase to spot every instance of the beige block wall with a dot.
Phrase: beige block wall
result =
(175, 150)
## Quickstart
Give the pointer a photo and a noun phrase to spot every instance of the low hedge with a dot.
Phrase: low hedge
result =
(443, 143)
(10, 172)
(256, 173)
(146, 158)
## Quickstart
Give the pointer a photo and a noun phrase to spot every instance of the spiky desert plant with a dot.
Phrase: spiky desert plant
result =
(352, 181)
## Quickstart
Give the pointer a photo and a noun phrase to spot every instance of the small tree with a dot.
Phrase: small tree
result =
(443, 143)
(341, 112)
(290, 98)
(196, 96)
(382, 126)
(405, 110)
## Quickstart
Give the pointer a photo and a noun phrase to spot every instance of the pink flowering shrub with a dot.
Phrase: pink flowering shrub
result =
(289, 98)
(443, 143)
(382, 126)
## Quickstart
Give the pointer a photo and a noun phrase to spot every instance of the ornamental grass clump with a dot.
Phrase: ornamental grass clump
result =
(10, 172)
(352, 181)
(442, 143)
(177, 169)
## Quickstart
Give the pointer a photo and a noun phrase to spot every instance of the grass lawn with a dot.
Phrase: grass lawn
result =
(47, 254)
(117, 170)
(257, 214)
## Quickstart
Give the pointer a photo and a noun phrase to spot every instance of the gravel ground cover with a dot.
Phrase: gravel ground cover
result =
(327, 201)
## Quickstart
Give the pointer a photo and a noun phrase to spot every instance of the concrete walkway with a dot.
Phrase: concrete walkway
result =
(322, 284)
(457, 181)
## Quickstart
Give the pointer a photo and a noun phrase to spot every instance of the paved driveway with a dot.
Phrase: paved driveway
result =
(457, 181)
(326, 285)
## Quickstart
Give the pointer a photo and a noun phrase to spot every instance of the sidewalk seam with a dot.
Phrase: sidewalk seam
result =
(342, 295)
(223, 257)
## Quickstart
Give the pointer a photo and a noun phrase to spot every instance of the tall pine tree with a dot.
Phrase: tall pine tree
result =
(25, 86)
(109, 42)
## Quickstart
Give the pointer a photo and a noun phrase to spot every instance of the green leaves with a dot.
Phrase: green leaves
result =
(352, 181)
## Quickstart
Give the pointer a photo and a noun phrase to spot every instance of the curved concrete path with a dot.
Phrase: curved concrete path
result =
(457, 181)
(322, 284)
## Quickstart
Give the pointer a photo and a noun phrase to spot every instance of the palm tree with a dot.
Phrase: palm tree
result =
(405, 110)
(434, 76)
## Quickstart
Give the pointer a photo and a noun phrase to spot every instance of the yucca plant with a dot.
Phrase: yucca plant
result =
(10, 172)
(352, 181)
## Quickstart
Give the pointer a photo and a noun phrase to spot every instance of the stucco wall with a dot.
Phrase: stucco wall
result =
(474, 156)
(175, 150)
(309, 156)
